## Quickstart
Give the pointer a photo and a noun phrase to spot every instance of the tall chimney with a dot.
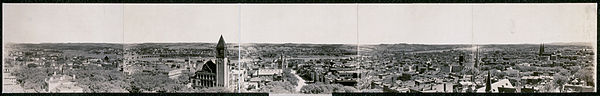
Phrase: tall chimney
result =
(444, 87)
(431, 87)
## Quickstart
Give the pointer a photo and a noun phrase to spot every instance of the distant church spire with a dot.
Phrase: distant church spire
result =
(476, 56)
(541, 49)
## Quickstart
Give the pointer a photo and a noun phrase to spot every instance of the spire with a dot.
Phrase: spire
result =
(476, 56)
(541, 49)
(488, 85)
(221, 48)
(221, 43)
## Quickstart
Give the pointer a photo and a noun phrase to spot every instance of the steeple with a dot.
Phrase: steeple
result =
(488, 83)
(476, 56)
(221, 48)
(541, 49)
(222, 75)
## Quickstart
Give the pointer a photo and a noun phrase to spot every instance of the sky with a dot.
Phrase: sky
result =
(300, 23)
(181, 23)
(477, 23)
(56, 23)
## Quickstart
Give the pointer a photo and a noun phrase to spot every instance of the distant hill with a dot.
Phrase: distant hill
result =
(572, 43)
(68, 46)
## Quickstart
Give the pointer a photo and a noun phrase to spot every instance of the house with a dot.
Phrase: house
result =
(579, 88)
(175, 74)
(62, 84)
(440, 88)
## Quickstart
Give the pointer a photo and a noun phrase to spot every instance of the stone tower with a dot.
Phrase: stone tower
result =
(221, 61)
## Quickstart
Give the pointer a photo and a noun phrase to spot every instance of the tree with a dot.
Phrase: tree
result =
(350, 89)
(215, 90)
(278, 87)
(289, 77)
(525, 68)
(560, 80)
(364, 83)
(547, 88)
(33, 78)
(564, 72)
(318, 88)
(500, 74)
(151, 82)
(182, 80)
(574, 69)
(470, 71)
(134, 89)
(101, 81)
(586, 74)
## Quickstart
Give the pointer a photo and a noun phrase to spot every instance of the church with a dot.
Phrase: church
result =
(212, 73)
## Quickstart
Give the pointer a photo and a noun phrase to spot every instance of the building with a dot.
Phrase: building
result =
(545, 56)
(445, 88)
(502, 86)
(62, 84)
(177, 73)
(269, 73)
(536, 79)
(282, 62)
(451, 68)
(213, 73)
(10, 85)
(206, 76)
(237, 76)
(578, 88)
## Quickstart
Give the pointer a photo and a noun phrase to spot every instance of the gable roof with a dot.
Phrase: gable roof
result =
(209, 66)
(501, 83)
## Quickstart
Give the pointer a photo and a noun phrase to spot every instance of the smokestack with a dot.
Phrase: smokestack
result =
(444, 87)
(431, 87)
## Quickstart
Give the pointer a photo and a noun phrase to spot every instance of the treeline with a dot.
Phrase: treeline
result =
(320, 88)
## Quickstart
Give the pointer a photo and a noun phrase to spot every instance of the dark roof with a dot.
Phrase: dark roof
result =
(506, 90)
(209, 66)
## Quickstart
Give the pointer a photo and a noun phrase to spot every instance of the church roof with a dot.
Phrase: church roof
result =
(209, 66)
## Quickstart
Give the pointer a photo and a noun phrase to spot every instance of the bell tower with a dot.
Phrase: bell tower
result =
(221, 61)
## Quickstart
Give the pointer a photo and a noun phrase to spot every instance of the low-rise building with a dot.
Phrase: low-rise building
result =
(62, 84)
(503, 84)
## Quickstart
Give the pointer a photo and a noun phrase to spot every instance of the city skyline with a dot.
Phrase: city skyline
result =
(299, 48)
